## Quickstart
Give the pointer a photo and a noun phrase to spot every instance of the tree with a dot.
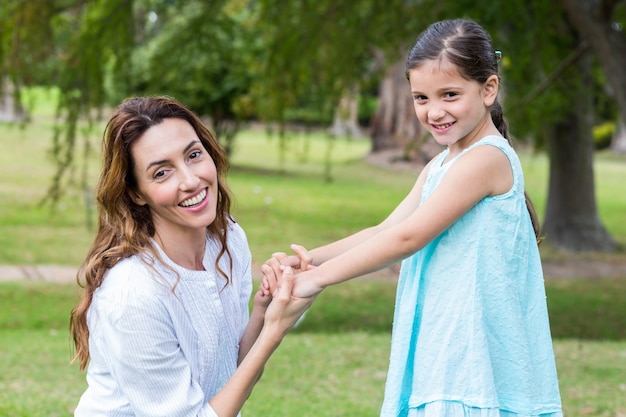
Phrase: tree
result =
(558, 111)
(279, 55)
(601, 22)
(199, 53)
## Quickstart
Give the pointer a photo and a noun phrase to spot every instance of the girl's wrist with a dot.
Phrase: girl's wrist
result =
(258, 312)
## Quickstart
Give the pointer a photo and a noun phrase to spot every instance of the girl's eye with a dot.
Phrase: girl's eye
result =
(450, 94)
(419, 98)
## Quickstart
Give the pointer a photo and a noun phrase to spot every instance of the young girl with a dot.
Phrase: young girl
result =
(470, 335)
(164, 315)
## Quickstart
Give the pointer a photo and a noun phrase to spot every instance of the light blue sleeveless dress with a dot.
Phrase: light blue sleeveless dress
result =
(471, 336)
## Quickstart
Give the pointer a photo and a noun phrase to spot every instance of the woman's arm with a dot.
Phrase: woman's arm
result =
(281, 315)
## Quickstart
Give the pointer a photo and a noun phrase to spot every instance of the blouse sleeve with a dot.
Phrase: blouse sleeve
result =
(244, 260)
(136, 338)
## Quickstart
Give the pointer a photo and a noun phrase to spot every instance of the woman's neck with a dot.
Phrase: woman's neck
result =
(185, 251)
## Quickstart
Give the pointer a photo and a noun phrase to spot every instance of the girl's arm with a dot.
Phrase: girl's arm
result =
(483, 171)
(322, 254)
(280, 317)
(254, 327)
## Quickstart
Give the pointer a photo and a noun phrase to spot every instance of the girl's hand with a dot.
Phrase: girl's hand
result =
(306, 284)
(300, 262)
(262, 298)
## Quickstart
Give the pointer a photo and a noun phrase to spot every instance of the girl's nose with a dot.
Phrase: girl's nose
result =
(436, 113)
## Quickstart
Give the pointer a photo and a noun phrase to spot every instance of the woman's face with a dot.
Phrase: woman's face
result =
(176, 178)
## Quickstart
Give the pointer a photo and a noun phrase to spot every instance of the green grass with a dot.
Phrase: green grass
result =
(276, 202)
(333, 364)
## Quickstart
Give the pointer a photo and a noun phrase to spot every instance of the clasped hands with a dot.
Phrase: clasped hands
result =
(281, 265)
(283, 294)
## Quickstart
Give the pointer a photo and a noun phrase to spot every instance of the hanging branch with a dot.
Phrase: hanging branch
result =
(569, 60)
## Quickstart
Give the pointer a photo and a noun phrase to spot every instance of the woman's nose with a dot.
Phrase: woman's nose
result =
(188, 179)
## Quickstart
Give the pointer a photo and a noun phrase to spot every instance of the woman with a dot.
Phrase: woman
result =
(164, 315)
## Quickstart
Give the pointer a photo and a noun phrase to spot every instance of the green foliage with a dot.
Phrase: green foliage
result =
(278, 201)
(603, 134)
(275, 60)
(319, 49)
(195, 52)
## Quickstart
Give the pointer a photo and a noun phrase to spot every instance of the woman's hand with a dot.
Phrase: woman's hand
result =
(285, 309)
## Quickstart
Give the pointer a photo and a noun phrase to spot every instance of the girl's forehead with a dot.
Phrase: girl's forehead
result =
(438, 66)
(435, 74)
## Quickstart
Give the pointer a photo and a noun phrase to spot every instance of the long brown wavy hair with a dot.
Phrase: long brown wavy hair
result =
(125, 228)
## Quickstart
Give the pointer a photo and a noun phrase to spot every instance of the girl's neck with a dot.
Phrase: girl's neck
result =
(487, 129)
(185, 251)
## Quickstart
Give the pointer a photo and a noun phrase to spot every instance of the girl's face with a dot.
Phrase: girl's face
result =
(453, 109)
(176, 178)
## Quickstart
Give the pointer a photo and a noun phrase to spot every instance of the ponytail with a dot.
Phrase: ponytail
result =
(498, 120)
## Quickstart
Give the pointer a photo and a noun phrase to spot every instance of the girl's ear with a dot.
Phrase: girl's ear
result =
(490, 90)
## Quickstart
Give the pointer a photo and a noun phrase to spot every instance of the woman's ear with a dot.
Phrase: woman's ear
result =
(490, 90)
(137, 198)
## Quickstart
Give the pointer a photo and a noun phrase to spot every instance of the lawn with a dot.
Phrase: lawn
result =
(335, 363)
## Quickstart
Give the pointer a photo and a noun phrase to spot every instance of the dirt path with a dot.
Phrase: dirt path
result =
(553, 270)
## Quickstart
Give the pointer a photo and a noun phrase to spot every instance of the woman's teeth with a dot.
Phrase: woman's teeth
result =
(194, 200)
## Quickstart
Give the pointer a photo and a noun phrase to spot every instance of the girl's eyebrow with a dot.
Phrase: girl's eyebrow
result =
(163, 161)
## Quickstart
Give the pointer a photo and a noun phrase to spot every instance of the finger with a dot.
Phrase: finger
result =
(303, 254)
(286, 285)
(279, 255)
(269, 279)
(273, 263)
(265, 286)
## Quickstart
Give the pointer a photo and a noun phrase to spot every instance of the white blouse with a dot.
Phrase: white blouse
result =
(155, 352)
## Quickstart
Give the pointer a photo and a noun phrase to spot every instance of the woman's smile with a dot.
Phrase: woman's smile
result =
(195, 200)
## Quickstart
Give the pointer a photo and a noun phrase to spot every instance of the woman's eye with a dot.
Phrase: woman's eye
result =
(195, 154)
(159, 174)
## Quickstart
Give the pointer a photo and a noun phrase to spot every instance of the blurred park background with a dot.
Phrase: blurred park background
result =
(310, 100)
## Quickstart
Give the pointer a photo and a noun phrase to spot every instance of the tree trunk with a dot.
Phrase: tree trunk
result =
(394, 125)
(572, 222)
(618, 142)
(11, 110)
(593, 19)
(346, 121)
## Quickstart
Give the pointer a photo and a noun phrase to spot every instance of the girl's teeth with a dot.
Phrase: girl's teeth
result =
(194, 200)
